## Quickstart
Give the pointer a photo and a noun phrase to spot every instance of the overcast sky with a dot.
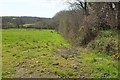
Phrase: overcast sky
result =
(39, 8)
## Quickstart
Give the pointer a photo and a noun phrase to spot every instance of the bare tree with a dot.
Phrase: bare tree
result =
(80, 5)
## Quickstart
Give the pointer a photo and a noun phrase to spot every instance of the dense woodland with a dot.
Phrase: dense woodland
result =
(81, 25)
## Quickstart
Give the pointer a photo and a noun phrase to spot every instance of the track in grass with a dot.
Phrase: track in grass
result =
(29, 49)
(46, 54)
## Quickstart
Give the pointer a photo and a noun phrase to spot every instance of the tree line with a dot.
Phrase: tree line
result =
(87, 19)
(26, 22)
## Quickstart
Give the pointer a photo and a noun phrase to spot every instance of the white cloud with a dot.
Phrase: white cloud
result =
(35, 2)
(47, 3)
(32, 7)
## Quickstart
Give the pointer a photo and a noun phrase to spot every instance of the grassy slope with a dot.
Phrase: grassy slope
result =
(44, 53)
(106, 42)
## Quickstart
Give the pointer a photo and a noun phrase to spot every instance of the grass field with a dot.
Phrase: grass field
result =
(46, 54)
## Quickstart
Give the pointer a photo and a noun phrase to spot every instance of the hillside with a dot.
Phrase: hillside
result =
(25, 22)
